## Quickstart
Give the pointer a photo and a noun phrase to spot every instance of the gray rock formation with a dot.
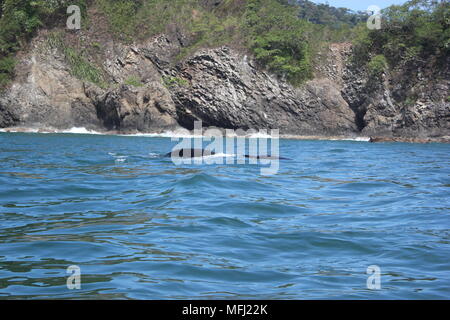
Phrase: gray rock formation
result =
(135, 109)
(227, 90)
(45, 94)
(399, 102)
(223, 88)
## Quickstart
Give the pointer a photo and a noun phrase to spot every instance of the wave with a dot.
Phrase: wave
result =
(74, 130)
(165, 134)
(180, 134)
(358, 139)
(220, 155)
(325, 138)
(19, 130)
(183, 133)
(80, 130)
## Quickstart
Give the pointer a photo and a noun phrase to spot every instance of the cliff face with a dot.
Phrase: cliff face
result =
(223, 88)
(410, 101)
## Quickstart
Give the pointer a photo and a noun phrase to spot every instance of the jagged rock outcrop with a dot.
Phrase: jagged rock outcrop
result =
(224, 88)
(8, 117)
(46, 95)
(408, 102)
(135, 109)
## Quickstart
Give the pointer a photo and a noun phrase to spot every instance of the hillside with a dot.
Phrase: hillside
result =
(149, 66)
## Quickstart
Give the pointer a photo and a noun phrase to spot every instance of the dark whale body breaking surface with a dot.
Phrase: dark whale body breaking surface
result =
(193, 153)
(266, 157)
(190, 153)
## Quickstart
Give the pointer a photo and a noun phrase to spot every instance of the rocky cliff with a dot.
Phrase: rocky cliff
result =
(223, 87)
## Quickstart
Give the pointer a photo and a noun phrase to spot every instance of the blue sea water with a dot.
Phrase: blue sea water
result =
(140, 227)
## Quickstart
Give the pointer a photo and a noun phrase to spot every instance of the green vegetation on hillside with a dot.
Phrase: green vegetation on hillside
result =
(283, 35)
(133, 81)
(170, 82)
(19, 19)
(324, 14)
(80, 67)
(269, 29)
(415, 31)
(278, 39)
(377, 64)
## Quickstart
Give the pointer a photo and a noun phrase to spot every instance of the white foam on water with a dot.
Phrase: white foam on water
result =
(324, 138)
(154, 155)
(179, 134)
(74, 130)
(121, 159)
(184, 134)
(213, 156)
(220, 155)
(166, 134)
(358, 139)
(362, 139)
(260, 135)
(19, 130)
(79, 130)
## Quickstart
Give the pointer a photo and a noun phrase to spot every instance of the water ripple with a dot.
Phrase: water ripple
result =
(140, 227)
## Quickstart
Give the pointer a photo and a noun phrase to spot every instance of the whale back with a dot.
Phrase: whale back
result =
(190, 153)
(193, 153)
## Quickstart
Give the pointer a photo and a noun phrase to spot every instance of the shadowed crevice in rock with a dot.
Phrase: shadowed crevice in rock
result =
(7, 117)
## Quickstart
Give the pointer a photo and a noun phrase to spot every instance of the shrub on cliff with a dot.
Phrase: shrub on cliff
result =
(416, 31)
(268, 28)
(377, 65)
(278, 39)
(282, 34)
(19, 19)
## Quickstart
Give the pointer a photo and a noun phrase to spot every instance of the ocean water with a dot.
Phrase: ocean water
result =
(140, 227)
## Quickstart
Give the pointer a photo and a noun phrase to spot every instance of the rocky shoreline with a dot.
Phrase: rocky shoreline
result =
(176, 133)
(224, 88)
